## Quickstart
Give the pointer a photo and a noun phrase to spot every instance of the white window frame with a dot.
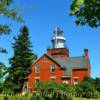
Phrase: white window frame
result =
(74, 82)
(65, 81)
(53, 77)
(37, 78)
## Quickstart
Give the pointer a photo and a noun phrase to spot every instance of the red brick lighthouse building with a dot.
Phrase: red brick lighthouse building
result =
(57, 64)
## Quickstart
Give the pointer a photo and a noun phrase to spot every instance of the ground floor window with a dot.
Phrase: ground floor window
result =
(25, 87)
(53, 78)
(65, 82)
(37, 80)
(76, 80)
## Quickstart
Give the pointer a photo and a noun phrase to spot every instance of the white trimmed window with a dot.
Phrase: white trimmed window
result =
(52, 68)
(53, 78)
(65, 82)
(37, 68)
(37, 80)
(76, 80)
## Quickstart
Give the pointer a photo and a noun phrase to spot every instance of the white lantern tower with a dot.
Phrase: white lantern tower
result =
(58, 40)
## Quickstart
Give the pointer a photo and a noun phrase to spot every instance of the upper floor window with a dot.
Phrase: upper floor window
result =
(37, 68)
(52, 68)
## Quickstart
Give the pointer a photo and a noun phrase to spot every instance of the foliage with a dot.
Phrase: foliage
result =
(8, 12)
(47, 91)
(88, 79)
(4, 29)
(2, 50)
(86, 99)
(1, 86)
(2, 69)
(97, 84)
(86, 12)
(28, 97)
(86, 89)
(53, 91)
(21, 62)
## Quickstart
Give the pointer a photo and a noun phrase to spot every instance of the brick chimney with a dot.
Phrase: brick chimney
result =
(85, 52)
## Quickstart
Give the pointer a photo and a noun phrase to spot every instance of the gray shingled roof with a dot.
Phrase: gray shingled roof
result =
(72, 63)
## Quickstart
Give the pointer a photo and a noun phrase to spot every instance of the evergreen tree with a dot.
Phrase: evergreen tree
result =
(2, 71)
(22, 60)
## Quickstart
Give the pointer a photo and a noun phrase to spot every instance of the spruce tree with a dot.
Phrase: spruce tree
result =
(22, 60)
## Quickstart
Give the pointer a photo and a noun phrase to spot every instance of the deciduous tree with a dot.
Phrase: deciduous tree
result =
(7, 12)
(86, 12)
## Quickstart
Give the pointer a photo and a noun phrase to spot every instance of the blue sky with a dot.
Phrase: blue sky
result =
(42, 16)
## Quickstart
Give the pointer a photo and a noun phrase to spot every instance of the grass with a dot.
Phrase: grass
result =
(16, 97)
(28, 98)
(86, 99)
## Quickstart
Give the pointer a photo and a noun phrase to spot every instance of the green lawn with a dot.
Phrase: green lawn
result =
(27, 98)
(85, 99)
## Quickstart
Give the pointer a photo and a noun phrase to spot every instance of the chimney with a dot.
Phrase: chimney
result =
(85, 52)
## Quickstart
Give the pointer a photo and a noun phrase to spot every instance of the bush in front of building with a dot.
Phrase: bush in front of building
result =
(96, 83)
(86, 90)
(52, 91)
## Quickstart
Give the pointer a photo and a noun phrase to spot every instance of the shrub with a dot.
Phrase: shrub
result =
(52, 91)
(86, 90)
(97, 84)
